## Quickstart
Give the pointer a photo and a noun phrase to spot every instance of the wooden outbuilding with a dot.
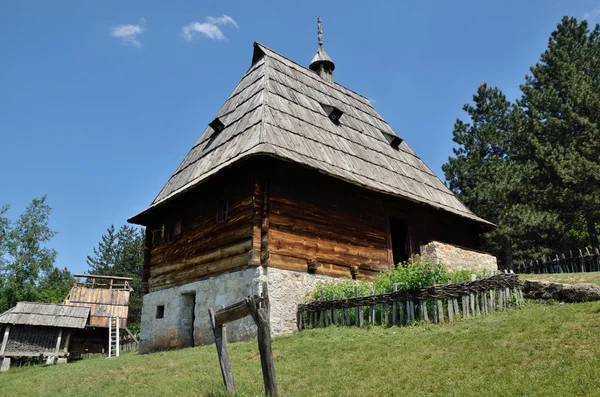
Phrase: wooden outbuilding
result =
(296, 180)
(39, 330)
(90, 320)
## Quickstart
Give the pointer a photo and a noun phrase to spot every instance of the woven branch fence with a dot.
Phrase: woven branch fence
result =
(437, 304)
(587, 261)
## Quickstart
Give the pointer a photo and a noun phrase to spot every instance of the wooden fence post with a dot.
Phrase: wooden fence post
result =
(410, 310)
(464, 302)
(299, 317)
(334, 315)
(423, 308)
(344, 311)
(384, 311)
(323, 320)
(359, 311)
(395, 306)
(472, 300)
(372, 309)
(221, 343)
(262, 320)
(450, 306)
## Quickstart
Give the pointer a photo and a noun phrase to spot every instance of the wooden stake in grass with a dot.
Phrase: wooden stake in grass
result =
(395, 306)
(222, 352)
(334, 315)
(450, 306)
(260, 314)
(384, 312)
(344, 312)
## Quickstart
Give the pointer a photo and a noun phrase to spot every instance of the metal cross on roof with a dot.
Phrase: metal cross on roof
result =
(320, 32)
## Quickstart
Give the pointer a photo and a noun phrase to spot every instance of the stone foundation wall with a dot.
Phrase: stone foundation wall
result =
(457, 258)
(286, 290)
(174, 330)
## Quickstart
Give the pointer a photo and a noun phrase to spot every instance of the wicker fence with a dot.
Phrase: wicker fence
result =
(438, 304)
(586, 260)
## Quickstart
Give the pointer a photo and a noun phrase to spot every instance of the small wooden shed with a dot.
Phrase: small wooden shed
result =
(39, 330)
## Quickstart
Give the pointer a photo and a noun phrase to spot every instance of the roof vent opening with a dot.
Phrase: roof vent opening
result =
(217, 125)
(394, 141)
(333, 113)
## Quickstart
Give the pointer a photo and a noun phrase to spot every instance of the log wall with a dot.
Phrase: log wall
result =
(312, 217)
(205, 247)
(285, 216)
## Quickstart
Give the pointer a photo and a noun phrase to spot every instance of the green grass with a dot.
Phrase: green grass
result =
(567, 278)
(539, 350)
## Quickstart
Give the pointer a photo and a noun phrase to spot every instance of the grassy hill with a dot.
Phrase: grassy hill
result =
(539, 350)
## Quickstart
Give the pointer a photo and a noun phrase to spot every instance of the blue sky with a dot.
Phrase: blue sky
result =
(100, 101)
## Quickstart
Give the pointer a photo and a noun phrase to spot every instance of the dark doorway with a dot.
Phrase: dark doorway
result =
(188, 318)
(399, 236)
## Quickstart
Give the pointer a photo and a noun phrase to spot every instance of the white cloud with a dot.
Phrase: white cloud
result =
(592, 14)
(210, 29)
(129, 33)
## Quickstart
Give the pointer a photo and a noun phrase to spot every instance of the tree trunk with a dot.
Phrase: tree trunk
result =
(591, 224)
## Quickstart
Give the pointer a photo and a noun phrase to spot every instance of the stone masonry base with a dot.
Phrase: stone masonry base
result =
(458, 258)
(183, 320)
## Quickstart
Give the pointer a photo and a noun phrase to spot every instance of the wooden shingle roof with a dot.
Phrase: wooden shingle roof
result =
(277, 110)
(46, 314)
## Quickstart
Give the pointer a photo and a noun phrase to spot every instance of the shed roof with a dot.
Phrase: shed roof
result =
(277, 110)
(46, 314)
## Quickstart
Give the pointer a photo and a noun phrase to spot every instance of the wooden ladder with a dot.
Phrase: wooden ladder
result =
(113, 337)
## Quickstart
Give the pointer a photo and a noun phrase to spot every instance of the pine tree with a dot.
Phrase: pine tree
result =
(104, 256)
(121, 254)
(562, 100)
(491, 172)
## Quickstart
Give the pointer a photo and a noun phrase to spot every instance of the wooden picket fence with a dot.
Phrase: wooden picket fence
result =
(437, 304)
(587, 261)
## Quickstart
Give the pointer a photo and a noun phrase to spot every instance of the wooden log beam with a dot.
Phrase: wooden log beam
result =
(4, 340)
(234, 312)
(67, 340)
(58, 340)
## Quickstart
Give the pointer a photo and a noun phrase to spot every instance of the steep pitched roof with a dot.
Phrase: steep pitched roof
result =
(276, 110)
(46, 314)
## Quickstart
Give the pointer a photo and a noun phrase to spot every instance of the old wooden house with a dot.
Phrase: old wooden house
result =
(89, 321)
(296, 180)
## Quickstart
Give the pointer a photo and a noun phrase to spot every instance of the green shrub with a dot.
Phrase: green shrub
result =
(407, 275)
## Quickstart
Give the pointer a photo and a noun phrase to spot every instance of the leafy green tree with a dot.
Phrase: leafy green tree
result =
(55, 285)
(26, 263)
(561, 98)
(121, 253)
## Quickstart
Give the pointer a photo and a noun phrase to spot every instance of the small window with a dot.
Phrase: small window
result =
(222, 211)
(175, 230)
(333, 113)
(394, 140)
(217, 125)
(160, 311)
